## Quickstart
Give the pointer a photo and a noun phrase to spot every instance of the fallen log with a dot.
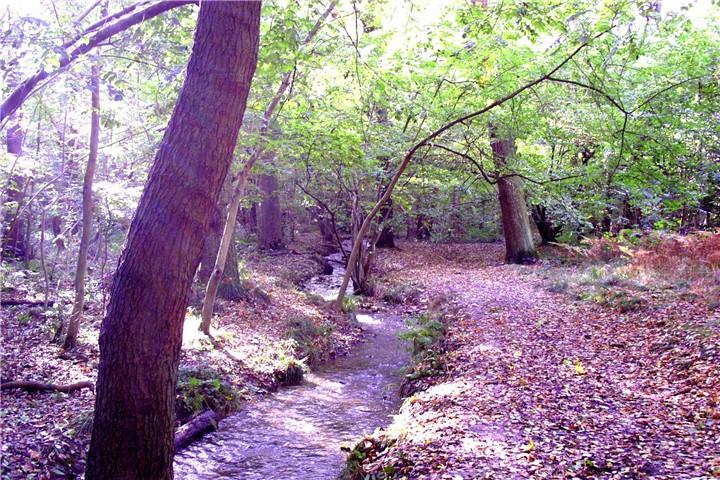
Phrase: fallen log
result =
(31, 303)
(204, 423)
(46, 387)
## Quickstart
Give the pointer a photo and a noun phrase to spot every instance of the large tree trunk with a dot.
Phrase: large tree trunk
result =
(87, 213)
(519, 246)
(270, 236)
(141, 334)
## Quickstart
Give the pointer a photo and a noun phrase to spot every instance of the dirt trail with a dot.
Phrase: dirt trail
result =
(539, 386)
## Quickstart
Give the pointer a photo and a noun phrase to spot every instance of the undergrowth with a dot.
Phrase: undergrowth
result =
(618, 271)
(203, 389)
(309, 339)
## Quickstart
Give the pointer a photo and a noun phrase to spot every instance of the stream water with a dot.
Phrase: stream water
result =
(297, 432)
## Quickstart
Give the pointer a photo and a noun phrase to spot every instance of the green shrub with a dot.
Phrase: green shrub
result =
(350, 303)
(426, 331)
(309, 337)
(201, 389)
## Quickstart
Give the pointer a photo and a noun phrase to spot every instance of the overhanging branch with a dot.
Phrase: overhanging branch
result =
(27, 87)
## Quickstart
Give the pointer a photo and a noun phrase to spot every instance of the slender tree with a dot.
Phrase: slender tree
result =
(87, 212)
(222, 255)
(141, 334)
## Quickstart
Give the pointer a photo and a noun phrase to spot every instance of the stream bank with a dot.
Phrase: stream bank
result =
(299, 431)
(536, 383)
(46, 435)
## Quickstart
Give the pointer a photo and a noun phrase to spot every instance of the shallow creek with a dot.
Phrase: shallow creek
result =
(297, 432)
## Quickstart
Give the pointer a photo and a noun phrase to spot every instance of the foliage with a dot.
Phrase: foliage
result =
(308, 338)
(202, 389)
(350, 303)
(426, 336)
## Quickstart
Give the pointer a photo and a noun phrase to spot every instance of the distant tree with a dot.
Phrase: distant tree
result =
(141, 335)
(270, 235)
(519, 246)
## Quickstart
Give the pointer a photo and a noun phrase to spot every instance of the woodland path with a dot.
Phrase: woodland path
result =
(539, 386)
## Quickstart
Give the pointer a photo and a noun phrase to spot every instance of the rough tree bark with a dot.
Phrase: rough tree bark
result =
(87, 212)
(519, 246)
(270, 236)
(141, 334)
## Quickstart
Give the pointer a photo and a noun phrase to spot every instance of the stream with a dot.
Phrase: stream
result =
(297, 432)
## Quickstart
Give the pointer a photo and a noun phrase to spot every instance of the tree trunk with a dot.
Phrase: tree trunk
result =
(13, 233)
(423, 229)
(87, 213)
(141, 334)
(360, 267)
(211, 244)
(519, 246)
(386, 239)
(213, 283)
(548, 231)
(270, 235)
(203, 423)
(231, 288)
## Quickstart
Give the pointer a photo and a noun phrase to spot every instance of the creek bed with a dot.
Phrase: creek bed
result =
(297, 432)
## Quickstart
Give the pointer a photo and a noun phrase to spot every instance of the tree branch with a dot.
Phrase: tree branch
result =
(590, 87)
(408, 157)
(26, 88)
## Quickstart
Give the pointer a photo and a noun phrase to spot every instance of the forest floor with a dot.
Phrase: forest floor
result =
(543, 376)
(46, 434)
